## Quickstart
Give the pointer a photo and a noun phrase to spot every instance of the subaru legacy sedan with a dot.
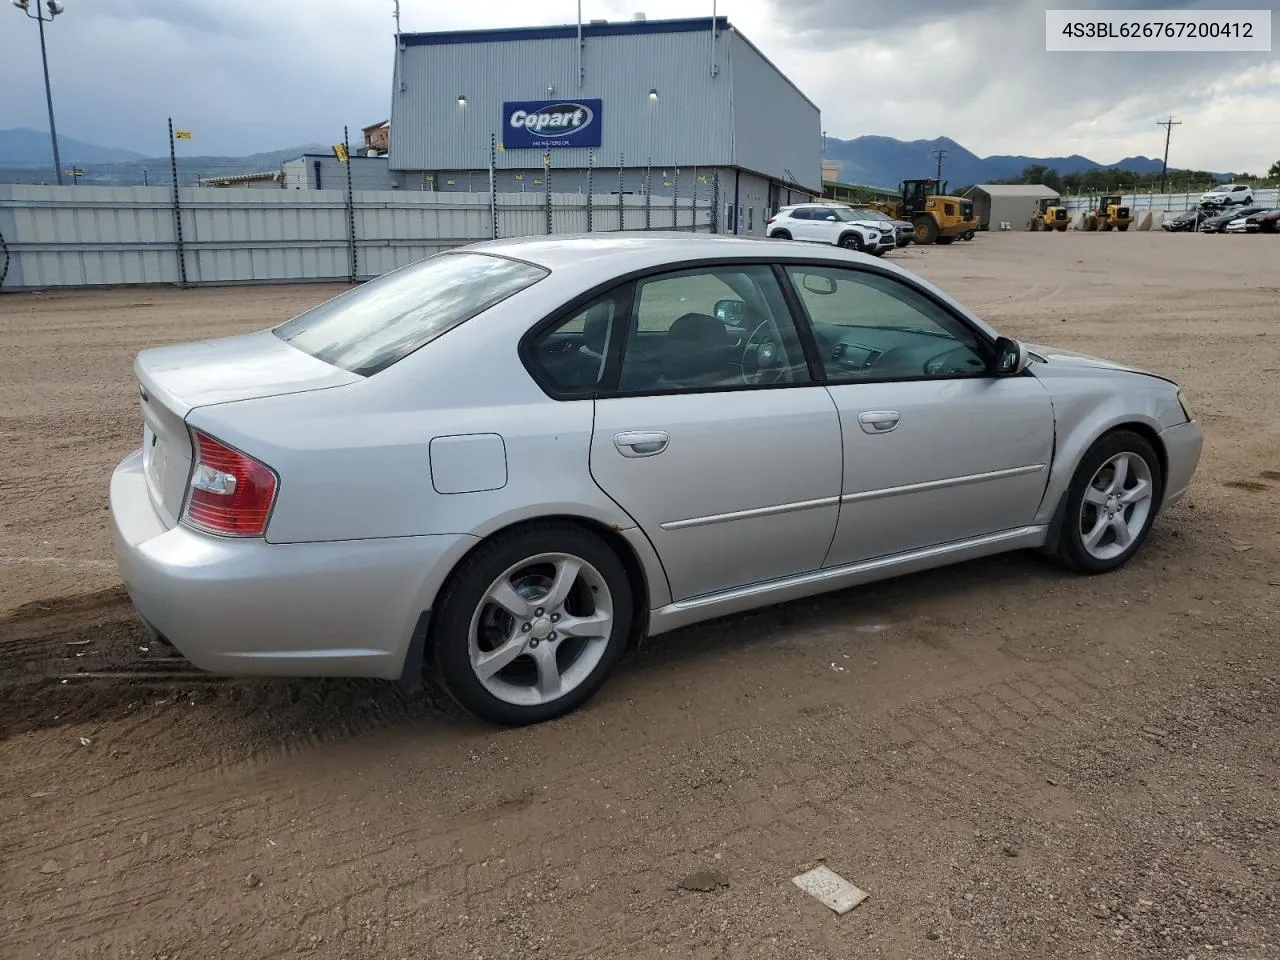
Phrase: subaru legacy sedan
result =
(505, 464)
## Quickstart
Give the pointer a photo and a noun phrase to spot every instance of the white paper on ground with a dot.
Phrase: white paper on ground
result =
(830, 889)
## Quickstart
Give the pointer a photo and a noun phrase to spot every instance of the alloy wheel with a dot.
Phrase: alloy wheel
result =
(1116, 506)
(540, 629)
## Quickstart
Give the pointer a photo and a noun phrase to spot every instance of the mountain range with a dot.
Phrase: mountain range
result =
(25, 158)
(884, 161)
(870, 161)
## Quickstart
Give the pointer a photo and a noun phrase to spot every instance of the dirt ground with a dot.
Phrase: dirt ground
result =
(1013, 761)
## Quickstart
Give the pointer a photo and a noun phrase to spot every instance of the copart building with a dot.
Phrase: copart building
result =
(668, 106)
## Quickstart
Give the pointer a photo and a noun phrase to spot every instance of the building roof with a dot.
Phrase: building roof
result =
(1037, 190)
(375, 126)
(618, 28)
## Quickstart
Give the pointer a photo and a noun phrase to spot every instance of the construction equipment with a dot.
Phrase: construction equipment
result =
(938, 217)
(1107, 214)
(1049, 216)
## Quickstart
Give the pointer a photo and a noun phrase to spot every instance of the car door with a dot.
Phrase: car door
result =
(800, 223)
(714, 436)
(936, 450)
(827, 227)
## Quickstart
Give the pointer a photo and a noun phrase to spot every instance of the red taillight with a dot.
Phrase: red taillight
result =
(231, 494)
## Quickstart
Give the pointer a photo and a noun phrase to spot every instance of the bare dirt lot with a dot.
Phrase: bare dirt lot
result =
(1013, 761)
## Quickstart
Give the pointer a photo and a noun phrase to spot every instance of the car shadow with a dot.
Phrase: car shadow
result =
(294, 713)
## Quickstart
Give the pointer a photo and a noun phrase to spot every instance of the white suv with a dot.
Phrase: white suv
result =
(1228, 195)
(832, 223)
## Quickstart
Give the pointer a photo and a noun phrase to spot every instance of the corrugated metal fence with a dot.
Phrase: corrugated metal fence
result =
(81, 236)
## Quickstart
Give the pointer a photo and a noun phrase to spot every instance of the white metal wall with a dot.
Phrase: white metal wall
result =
(1268, 197)
(79, 236)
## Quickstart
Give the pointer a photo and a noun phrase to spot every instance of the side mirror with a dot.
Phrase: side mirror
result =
(1012, 357)
(832, 218)
(730, 312)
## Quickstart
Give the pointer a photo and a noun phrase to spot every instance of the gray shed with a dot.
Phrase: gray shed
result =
(1015, 202)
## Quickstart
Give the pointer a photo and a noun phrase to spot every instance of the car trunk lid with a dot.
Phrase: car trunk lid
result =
(174, 380)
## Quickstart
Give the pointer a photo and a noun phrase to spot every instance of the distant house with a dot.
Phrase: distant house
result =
(1014, 203)
(265, 180)
(378, 138)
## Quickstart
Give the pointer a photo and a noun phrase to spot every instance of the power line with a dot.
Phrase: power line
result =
(1168, 134)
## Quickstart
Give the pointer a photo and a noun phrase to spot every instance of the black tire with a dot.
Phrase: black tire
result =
(943, 241)
(1122, 227)
(1071, 552)
(926, 229)
(780, 235)
(852, 241)
(449, 658)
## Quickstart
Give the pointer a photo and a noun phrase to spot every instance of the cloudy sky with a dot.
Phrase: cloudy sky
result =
(249, 75)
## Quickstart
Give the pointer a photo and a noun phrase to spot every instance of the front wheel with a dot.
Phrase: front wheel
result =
(531, 623)
(1111, 503)
(851, 241)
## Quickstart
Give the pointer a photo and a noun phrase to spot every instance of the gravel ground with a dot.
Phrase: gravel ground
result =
(1012, 761)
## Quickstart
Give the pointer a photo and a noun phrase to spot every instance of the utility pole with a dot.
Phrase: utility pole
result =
(1168, 134)
(939, 155)
(397, 16)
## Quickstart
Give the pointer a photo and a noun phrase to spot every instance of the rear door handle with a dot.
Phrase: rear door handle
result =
(878, 421)
(641, 443)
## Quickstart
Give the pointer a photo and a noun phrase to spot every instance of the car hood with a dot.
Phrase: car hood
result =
(1067, 358)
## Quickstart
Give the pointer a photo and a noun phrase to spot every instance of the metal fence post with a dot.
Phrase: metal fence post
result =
(351, 212)
(715, 203)
(648, 193)
(177, 208)
(591, 166)
(493, 186)
(675, 198)
(546, 182)
(694, 224)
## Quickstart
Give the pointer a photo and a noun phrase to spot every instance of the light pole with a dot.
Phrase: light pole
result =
(54, 7)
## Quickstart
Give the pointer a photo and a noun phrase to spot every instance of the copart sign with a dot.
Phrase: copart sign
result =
(543, 124)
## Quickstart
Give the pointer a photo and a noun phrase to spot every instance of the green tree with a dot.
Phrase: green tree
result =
(1274, 172)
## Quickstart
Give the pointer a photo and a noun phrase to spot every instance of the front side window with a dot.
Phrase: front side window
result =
(715, 328)
(872, 327)
(372, 326)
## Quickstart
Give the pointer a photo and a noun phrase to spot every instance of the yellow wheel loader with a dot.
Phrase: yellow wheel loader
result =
(1049, 216)
(1110, 214)
(938, 217)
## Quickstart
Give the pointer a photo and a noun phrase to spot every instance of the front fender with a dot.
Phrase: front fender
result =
(1089, 409)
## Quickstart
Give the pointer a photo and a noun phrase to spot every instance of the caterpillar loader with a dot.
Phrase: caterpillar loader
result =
(1049, 216)
(1109, 214)
(938, 217)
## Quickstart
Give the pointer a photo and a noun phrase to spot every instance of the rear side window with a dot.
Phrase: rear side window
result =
(369, 328)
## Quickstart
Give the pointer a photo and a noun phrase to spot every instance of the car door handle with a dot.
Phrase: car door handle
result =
(641, 443)
(879, 421)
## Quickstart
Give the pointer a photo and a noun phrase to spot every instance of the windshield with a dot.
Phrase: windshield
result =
(866, 213)
(369, 328)
(845, 214)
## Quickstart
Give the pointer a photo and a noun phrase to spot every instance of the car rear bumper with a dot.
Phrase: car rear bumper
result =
(245, 606)
(1183, 445)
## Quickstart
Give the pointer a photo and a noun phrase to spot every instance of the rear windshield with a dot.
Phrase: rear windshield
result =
(369, 328)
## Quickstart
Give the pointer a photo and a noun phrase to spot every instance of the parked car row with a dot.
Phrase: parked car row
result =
(1214, 218)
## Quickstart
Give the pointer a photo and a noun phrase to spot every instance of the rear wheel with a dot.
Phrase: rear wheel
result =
(531, 623)
(781, 235)
(926, 229)
(1122, 227)
(1111, 503)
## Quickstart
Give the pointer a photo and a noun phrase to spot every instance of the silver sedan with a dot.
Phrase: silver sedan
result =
(507, 463)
